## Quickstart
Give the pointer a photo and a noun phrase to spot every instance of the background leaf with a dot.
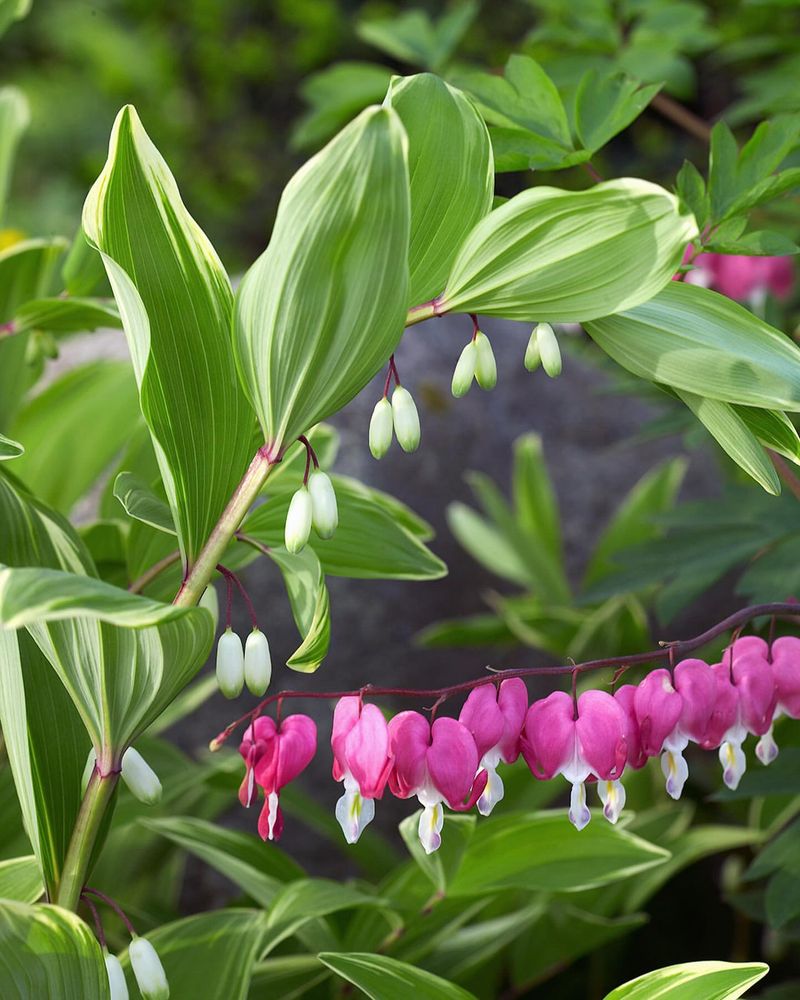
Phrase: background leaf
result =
(692, 981)
(384, 978)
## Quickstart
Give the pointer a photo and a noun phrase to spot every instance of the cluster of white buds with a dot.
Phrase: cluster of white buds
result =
(313, 505)
(237, 665)
(401, 417)
(476, 362)
(543, 349)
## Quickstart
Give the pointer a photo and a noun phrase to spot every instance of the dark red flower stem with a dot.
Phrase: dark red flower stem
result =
(98, 923)
(231, 579)
(666, 650)
(475, 327)
(114, 906)
(311, 456)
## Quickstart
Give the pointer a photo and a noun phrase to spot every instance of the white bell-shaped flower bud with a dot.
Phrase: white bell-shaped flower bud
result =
(257, 663)
(465, 371)
(230, 664)
(533, 357)
(486, 366)
(148, 970)
(324, 512)
(380, 428)
(298, 521)
(210, 601)
(406, 419)
(88, 769)
(549, 349)
(116, 977)
(140, 778)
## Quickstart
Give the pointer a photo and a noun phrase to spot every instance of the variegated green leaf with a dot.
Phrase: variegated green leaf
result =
(141, 503)
(20, 879)
(67, 315)
(308, 596)
(552, 255)
(693, 981)
(9, 448)
(324, 306)
(698, 341)
(46, 952)
(451, 174)
(175, 301)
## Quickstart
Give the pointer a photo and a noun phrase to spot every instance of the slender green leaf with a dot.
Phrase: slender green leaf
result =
(66, 315)
(14, 118)
(210, 955)
(384, 978)
(48, 952)
(542, 851)
(773, 429)
(697, 341)
(175, 302)
(451, 175)
(535, 502)
(735, 438)
(308, 596)
(73, 430)
(20, 879)
(693, 981)
(141, 503)
(9, 448)
(570, 255)
(324, 306)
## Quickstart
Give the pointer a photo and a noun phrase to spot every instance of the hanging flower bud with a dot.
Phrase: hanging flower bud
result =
(230, 664)
(140, 778)
(380, 428)
(486, 366)
(298, 521)
(549, 350)
(210, 602)
(465, 371)
(257, 663)
(406, 419)
(148, 970)
(533, 356)
(116, 977)
(324, 513)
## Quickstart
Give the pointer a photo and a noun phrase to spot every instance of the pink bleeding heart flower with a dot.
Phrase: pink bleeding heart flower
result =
(747, 668)
(746, 279)
(554, 741)
(288, 752)
(658, 708)
(254, 745)
(495, 719)
(437, 763)
(360, 743)
(786, 674)
(625, 697)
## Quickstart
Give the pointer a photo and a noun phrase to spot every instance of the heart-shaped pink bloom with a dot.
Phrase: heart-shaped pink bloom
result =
(753, 677)
(625, 696)
(512, 700)
(254, 745)
(409, 739)
(548, 738)
(482, 716)
(786, 672)
(600, 732)
(361, 746)
(696, 683)
(289, 752)
(726, 708)
(658, 709)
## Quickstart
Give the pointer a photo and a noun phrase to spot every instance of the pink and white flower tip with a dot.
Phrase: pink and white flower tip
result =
(495, 718)
(588, 743)
(439, 764)
(274, 754)
(360, 743)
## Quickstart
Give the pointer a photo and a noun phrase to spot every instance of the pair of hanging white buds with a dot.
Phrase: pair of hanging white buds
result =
(543, 350)
(147, 971)
(313, 505)
(237, 665)
(401, 417)
(140, 779)
(476, 362)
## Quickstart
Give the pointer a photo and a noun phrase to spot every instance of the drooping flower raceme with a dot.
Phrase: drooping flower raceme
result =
(495, 719)
(274, 754)
(437, 763)
(590, 742)
(360, 743)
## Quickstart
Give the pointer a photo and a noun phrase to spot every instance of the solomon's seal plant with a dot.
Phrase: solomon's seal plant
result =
(221, 456)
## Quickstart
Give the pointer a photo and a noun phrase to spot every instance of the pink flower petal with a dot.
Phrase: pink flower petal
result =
(513, 702)
(453, 761)
(483, 718)
(786, 671)
(658, 708)
(367, 752)
(625, 696)
(345, 716)
(697, 685)
(548, 739)
(409, 739)
(600, 729)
